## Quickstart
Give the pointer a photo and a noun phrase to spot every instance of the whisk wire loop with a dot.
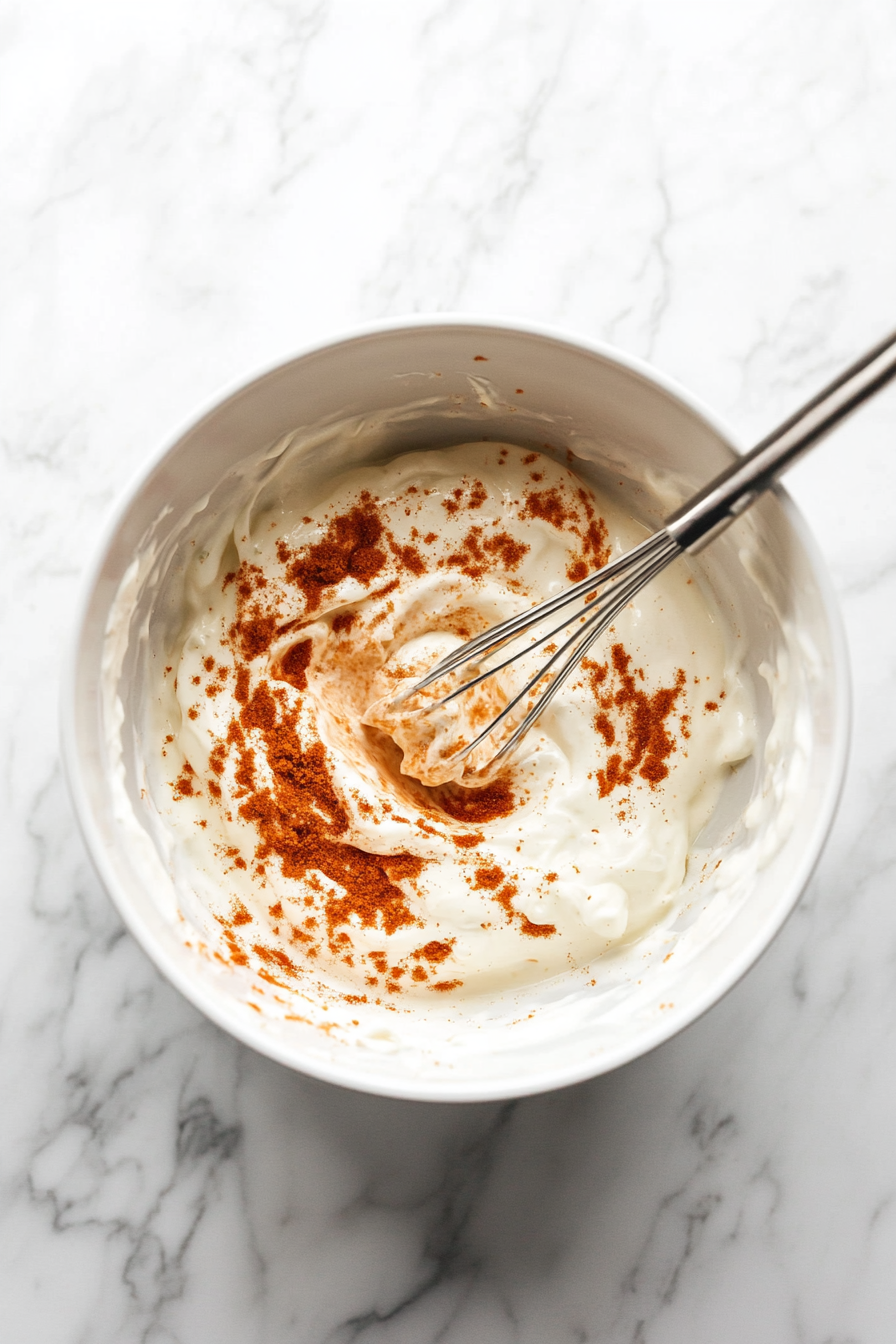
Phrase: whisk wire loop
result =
(482, 646)
(596, 621)
(587, 636)
(533, 618)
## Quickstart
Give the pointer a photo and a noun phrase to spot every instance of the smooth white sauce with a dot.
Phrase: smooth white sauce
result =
(597, 869)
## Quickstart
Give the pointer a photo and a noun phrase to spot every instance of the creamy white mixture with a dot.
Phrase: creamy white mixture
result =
(274, 723)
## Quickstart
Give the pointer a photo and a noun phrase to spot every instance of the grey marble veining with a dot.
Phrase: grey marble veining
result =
(191, 191)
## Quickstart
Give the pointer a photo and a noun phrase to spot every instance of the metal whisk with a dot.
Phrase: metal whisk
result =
(690, 528)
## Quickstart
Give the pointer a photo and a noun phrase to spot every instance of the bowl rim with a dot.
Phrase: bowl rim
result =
(446, 1089)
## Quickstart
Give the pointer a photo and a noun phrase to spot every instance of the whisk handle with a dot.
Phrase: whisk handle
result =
(711, 510)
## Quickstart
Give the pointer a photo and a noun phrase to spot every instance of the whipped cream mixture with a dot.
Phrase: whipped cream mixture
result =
(332, 838)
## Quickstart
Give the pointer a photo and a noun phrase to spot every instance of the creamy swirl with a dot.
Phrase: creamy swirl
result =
(340, 841)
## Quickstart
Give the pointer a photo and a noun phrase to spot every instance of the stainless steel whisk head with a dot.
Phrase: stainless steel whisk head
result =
(606, 593)
(615, 585)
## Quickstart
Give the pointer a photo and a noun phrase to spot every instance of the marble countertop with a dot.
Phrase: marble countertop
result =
(193, 190)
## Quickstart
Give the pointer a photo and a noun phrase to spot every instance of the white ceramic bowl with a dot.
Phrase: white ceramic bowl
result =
(616, 415)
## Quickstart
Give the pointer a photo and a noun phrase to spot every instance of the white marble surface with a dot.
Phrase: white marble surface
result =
(194, 189)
